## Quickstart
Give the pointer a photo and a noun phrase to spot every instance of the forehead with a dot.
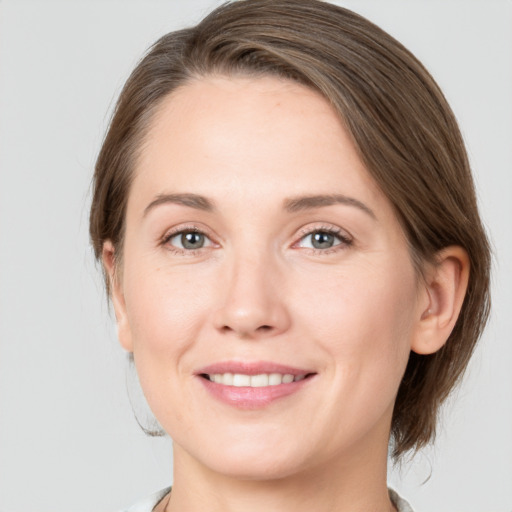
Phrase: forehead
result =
(263, 134)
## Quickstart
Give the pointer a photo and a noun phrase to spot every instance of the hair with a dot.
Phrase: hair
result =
(398, 119)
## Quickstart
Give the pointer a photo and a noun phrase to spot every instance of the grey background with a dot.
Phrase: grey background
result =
(68, 440)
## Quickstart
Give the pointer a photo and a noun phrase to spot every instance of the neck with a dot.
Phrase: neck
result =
(346, 483)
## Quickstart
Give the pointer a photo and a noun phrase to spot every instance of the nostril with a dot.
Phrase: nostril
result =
(264, 328)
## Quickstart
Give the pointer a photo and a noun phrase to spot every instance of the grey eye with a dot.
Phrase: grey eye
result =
(192, 240)
(322, 240)
(189, 240)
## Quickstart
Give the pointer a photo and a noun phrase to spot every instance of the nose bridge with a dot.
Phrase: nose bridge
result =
(252, 304)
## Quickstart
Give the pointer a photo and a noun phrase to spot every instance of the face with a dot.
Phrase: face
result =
(266, 290)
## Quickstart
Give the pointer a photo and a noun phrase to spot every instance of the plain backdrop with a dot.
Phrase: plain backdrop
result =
(68, 439)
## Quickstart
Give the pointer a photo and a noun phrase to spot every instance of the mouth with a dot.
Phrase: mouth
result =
(260, 380)
(253, 385)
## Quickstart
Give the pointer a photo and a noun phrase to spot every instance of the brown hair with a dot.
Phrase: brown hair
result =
(401, 125)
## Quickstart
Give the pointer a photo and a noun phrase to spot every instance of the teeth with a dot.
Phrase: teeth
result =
(254, 381)
(240, 380)
(274, 379)
(287, 378)
(259, 381)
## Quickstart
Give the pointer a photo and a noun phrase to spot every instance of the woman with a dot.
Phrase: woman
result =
(287, 222)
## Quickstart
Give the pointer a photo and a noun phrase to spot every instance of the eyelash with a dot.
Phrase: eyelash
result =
(179, 231)
(344, 239)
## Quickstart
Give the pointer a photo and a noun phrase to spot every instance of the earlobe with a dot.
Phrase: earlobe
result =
(117, 295)
(445, 288)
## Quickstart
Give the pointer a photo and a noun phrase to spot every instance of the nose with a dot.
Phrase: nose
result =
(253, 304)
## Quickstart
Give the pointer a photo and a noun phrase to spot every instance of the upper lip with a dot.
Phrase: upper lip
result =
(251, 368)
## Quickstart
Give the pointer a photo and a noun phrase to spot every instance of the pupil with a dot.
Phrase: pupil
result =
(322, 240)
(192, 240)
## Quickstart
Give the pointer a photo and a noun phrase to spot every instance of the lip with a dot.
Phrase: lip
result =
(252, 368)
(250, 397)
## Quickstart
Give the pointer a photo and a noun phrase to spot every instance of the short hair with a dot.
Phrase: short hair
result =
(397, 117)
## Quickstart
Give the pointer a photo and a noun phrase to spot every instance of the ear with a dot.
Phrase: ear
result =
(444, 290)
(117, 295)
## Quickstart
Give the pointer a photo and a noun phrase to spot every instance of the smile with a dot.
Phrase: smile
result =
(254, 381)
(253, 385)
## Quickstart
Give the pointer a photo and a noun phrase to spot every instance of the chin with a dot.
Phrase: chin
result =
(260, 469)
(252, 461)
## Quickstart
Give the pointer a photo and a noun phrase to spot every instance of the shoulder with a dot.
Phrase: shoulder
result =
(400, 504)
(149, 503)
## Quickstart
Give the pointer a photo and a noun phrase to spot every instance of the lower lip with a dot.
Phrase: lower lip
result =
(246, 397)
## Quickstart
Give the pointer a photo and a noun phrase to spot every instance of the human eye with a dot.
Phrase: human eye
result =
(324, 239)
(187, 240)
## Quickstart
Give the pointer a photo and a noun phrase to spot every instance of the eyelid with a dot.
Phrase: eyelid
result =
(346, 239)
(342, 235)
(187, 228)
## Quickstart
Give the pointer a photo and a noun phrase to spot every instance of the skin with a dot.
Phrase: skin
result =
(259, 291)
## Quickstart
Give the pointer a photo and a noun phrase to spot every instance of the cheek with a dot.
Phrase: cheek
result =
(165, 307)
(363, 323)
(363, 318)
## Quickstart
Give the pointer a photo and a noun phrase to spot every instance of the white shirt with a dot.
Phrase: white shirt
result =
(148, 504)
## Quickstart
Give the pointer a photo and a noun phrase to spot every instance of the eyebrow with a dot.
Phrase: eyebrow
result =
(296, 204)
(292, 205)
(191, 200)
